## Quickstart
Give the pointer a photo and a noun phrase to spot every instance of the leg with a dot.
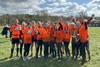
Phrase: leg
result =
(28, 48)
(58, 51)
(73, 50)
(88, 50)
(31, 49)
(40, 48)
(21, 46)
(37, 49)
(46, 50)
(82, 48)
(12, 49)
(67, 49)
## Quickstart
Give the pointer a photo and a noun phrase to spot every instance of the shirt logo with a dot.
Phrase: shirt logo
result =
(16, 29)
(29, 32)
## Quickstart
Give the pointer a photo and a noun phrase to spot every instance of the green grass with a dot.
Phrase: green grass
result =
(5, 46)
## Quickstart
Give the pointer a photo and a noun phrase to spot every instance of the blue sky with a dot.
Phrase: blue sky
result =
(54, 7)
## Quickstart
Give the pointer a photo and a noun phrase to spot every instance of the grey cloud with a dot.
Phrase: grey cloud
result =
(13, 1)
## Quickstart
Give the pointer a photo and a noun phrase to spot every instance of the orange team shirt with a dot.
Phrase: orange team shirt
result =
(15, 30)
(67, 35)
(39, 36)
(46, 35)
(59, 36)
(51, 33)
(83, 33)
(34, 30)
(27, 35)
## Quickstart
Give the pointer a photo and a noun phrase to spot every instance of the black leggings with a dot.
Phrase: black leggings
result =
(82, 49)
(66, 48)
(21, 46)
(39, 45)
(26, 49)
(53, 49)
(59, 51)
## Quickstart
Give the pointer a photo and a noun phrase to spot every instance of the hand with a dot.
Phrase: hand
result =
(92, 15)
(20, 41)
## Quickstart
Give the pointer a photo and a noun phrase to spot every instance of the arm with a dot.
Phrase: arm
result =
(90, 19)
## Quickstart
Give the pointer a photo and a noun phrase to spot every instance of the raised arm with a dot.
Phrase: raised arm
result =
(90, 19)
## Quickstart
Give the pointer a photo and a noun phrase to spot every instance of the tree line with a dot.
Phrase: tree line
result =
(40, 15)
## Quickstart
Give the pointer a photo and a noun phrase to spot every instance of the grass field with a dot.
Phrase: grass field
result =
(5, 46)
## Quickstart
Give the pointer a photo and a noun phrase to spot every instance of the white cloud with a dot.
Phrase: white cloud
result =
(57, 7)
(54, 4)
(95, 7)
(67, 9)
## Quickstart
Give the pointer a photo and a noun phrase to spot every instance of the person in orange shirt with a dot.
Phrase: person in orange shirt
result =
(27, 40)
(85, 22)
(58, 34)
(15, 30)
(66, 39)
(75, 41)
(60, 20)
(83, 38)
(23, 26)
(46, 40)
(33, 23)
(38, 33)
(52, 41)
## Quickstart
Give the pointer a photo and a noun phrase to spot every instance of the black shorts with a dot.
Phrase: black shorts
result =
(15, 40)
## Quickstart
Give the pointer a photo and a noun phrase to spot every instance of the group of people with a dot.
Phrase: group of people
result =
(55, 37)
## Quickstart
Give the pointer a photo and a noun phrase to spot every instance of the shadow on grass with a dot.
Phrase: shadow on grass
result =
(40, 62)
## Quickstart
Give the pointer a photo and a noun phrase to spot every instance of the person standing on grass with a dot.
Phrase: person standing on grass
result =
(23, 26)
(46, 40)
(27, 38)
(15, 30)
(85, 22)
(58, 34)
(33, 23)
(66, 39)
(83, 36)
(38, 33)
(75, 42)
(52, 42)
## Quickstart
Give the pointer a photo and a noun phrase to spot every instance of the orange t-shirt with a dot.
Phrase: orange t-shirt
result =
(67, 33)
(59, 36)
(46, 35)
(51, 29)
(34, 30)
(39, 35)
(83, 33)
(27, 35)
(15, 29)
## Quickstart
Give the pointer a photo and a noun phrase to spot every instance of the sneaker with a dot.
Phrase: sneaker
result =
(27, 58)
(21, 57)
(24, 58)
(41, 54)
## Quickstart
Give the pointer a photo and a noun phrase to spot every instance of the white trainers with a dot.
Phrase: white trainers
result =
(27, 58)
(24, 58)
